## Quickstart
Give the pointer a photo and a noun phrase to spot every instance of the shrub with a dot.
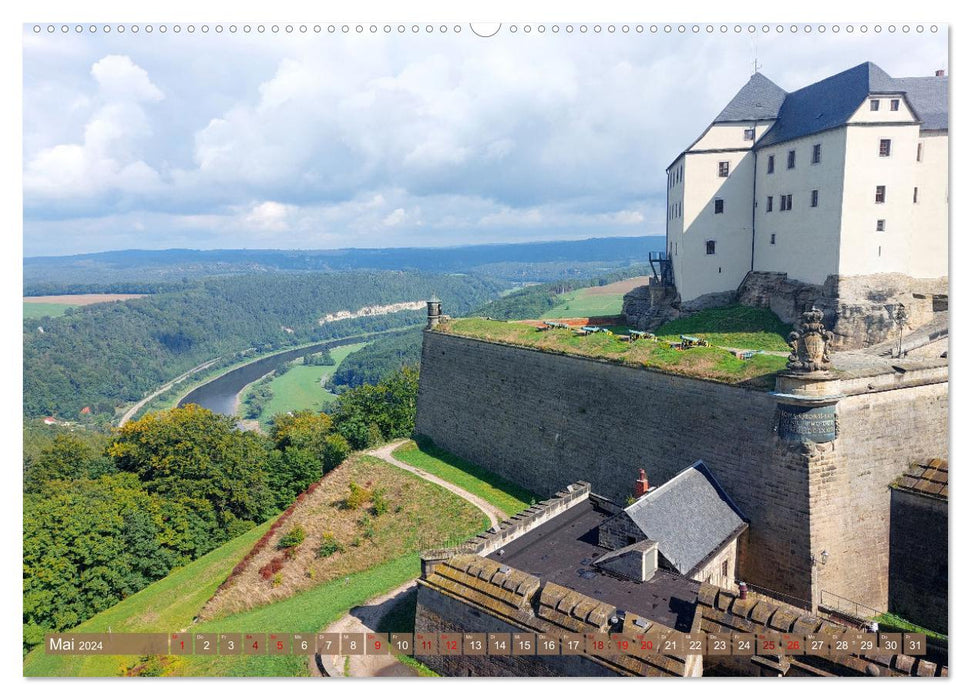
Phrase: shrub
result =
(278, 580)
(272, 568)
(292, 539)
(329, 545)
(379, 502)
(357, 498)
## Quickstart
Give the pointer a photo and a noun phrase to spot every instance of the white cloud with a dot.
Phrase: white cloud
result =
(109, 156)
(371, 140)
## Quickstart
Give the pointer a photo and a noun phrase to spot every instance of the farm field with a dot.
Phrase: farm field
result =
(57, 304)
(300, 387)
(373, 543)
(607, 300)
(34, 309)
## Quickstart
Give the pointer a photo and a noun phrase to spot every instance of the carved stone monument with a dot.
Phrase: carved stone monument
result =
(810, 344)
(807, 393)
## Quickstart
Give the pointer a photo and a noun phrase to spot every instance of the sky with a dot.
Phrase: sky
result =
(331, 140)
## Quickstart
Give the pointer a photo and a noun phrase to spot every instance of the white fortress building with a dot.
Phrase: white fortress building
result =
(840, 186)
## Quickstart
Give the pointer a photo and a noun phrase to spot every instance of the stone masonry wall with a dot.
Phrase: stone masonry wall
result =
(544, 420)
(880, 434)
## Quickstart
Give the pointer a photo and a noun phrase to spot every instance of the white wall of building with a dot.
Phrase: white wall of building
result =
(863, 249)
(806, 238)
(929, 220)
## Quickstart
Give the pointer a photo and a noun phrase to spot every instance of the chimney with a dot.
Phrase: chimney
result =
(641, 486)
(742, 590)
(939, 73)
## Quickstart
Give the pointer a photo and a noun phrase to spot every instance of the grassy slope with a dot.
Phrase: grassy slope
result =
(705, 363)
(503, 494)
(168, 605)
(42, 309)
(301, 388)
(583, 302)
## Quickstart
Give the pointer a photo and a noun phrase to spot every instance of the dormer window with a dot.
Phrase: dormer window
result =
(874, 105)
(894, 105)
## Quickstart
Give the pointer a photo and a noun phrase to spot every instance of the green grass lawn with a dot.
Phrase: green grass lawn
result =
(705, 363)
(585, 302)
(503, 494)
(889, 620)
(735, 326)
(168, 605)
(300, 387)
(42, 309)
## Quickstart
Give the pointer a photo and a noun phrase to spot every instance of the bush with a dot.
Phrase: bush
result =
(379, 502)
(269, 570)
(329, 545)
(292, 539)
(357, 498)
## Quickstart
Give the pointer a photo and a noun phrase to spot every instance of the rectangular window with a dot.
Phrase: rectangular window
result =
(881, 194)
(894, 105)
(772, 239)
(874, 105)
(881, 224)
(750, 134)
(915, 195)
(884, 148)
(771, 166)
(723, 168)
(814, 200)
(791, 163)
(817, 152)
(785, 202)
(725, 568)
(768, 204)
(719, 206)
(920, 152)
(709, 247)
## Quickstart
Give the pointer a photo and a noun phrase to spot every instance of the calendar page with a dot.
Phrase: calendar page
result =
(411, 348)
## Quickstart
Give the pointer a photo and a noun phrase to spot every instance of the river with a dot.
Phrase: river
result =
(219, 395)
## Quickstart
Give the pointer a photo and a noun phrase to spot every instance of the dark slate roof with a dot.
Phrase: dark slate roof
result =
(926, 477)
(759, 98)
(831, 102)
(928, 97)
(690, 516)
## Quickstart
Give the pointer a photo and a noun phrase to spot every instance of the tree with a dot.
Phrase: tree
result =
(373, 413)
(192, 452)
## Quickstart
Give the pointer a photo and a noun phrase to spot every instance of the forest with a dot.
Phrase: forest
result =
(107, 514)
(102, 356)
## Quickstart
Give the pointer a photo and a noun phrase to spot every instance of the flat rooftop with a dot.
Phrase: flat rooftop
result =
(562, 550)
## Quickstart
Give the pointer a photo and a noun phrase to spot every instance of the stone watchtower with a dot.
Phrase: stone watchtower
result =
(434, 312)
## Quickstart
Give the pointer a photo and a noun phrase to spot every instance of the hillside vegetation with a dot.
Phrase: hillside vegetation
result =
(372, 532)
(105, 355)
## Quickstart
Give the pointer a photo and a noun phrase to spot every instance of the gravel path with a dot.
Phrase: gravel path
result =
(366, 617)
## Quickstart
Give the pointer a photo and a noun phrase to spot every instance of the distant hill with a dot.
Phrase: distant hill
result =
(147, 271)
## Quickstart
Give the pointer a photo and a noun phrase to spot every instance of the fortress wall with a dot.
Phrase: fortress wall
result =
(880, 434)
(544, 420)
